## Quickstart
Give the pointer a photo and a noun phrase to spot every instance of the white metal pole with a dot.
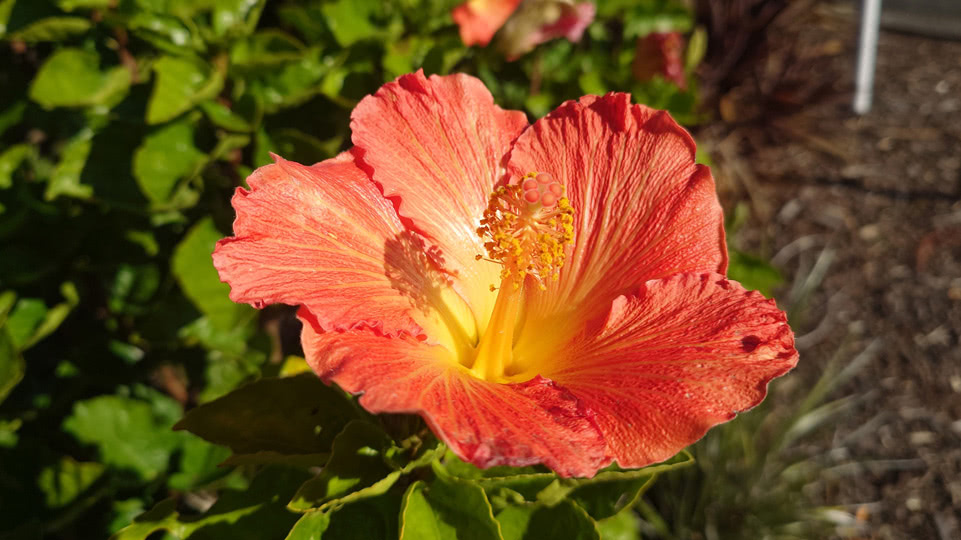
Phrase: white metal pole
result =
(867, 54)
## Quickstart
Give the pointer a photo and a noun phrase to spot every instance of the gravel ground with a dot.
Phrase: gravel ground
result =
(871, 208)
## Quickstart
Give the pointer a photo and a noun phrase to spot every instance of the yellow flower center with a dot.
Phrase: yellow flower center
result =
(526, 228)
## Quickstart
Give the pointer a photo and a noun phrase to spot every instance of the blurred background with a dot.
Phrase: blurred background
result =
(125, 126)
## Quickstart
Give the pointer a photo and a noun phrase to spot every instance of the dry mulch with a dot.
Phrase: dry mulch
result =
(871, 207)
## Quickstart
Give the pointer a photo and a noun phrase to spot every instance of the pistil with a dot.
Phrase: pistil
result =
(494, 354)
(526, 227)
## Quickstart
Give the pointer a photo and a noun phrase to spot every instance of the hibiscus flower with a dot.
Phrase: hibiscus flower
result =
(660, 53)
(550, 293)
(525, 24)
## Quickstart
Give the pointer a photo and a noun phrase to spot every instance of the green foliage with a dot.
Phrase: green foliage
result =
(129, 434)
(73, 78)
(447, 508)
(293, 416)
(125, 126)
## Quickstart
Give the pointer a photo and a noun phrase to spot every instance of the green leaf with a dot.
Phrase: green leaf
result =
(256, 513)
(236, 17)
(166, 157)
(12, 115)
(753, 272)
(528, 481)
(30, 321)
(563, 521)
(199, 462)
(291, 83)
(356, 470)
(167, 33)
(220, 116)
(52, 29)
(374, 518)
(65, 179)
(181, 83)
(65, 481)
(70, 5)
(291, 416)
(621, 526)
(350, 20)
(72, 78)
(11, 364)
(56, 315)
(130, 433)
(194, 270)
(265, 48)
(10, 161)
(310, 526)
(605, 499)
(24, 319)
(133, 287)
(445, 509)
(696, 49)
(405, 56)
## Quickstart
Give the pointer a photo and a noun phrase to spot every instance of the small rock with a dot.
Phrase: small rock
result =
(913, 503)
(870, 233)
(921, 438)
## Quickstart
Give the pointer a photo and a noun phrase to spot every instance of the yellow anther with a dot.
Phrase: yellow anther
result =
(527, 226)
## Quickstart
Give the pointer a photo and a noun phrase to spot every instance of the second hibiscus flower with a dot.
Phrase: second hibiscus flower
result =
(550, 293)
(522, 25)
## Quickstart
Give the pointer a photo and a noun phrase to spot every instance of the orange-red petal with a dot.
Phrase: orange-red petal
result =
(438, 144)
(484, 423)
(681, 355)
(643, 208)
(479, 20)
(321, 236)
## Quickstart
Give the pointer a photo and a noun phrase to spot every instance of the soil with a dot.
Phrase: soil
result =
(866, 213)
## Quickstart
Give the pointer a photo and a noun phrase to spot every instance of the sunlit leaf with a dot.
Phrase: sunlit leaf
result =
(52, 29)
(167, 33)
(11, 364)
(73, 78)
(70, 5)
(350, 20)
(181, 83)
(129, 433)
(356, 470)
(263, 49)
(223, 117)
(31, 320)
(447, 508)
(194, 270)
(290, 83)
(310, 526)
(236, 17)
(66, 177)
(64, 481)
(10, 161)
(624, 525)
(167, 157)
